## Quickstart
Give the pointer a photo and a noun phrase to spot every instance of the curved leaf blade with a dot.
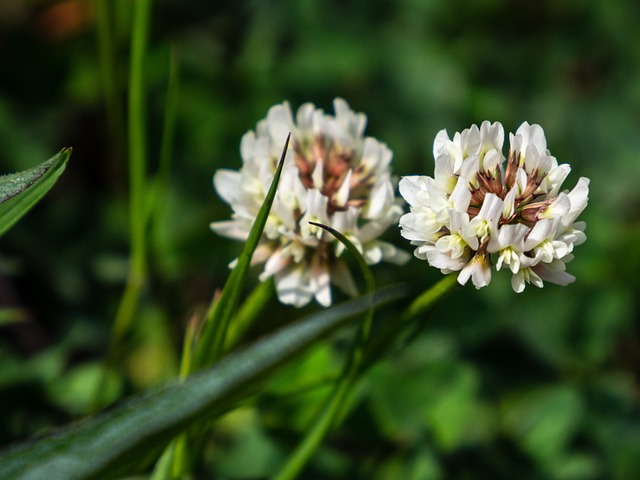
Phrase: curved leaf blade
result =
(21, 191)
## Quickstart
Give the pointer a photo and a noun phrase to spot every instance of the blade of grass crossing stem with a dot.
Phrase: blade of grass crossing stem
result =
(212, 342)
(330, 413)
(21, 191)
(111, 444)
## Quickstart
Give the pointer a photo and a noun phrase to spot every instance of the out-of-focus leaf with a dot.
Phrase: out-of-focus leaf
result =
(21, 191)
(11, 315)
(544, 421)
(241, 428)
(118, 440)
(75, 390)
(419, 394)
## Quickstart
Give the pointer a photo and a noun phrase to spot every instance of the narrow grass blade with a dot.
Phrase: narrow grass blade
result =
(211, 344)
(369, 281)
(120, 439)
(21, 191)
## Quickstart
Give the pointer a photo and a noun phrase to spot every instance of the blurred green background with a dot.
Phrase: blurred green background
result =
(544, 384)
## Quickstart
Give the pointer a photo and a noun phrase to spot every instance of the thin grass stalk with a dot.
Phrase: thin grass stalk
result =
(137, 188)
(106, 38)
(138, 185)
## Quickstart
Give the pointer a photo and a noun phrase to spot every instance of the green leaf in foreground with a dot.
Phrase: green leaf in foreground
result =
(21, 191)
(117, 441)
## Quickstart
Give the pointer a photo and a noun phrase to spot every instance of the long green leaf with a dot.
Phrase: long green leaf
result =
(117, 441)
(21, 191)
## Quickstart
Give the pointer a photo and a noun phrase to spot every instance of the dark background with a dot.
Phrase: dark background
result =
(543, 384)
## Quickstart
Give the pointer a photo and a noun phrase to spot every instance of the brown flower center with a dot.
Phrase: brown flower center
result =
(336, 162)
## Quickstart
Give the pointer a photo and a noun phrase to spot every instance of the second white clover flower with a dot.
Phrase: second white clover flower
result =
(477, 211)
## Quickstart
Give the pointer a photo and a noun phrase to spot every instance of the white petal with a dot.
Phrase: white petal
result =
(543, 230)
(279, 123)
(443, 174)
(559, 208)
(320, 282)
(492, 160)
(293, 286)
(228, 183)
(341, 277)
(414, 190)
(380, 199)
(441, 260)
(232, 229)
(275, 264)
(318, 175)
(578, 198)
(478, 269)
(342, 195)
(460, 198)
(552, 272)
(491, 136)
(508, 207)
(555, 178)
(532, 135)
(440, 142)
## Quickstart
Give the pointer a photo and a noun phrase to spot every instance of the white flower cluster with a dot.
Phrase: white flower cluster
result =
(475, 207)
(332, 175)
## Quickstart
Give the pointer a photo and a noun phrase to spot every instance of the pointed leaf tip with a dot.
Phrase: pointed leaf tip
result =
(21, 191)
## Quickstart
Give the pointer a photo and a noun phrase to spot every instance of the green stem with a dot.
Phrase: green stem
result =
(322, 425)
(333, 409)
(137, 139)
(136, 278)
(358, 362)
(248, 312)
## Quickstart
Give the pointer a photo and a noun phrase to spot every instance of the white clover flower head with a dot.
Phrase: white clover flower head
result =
(333, 175)
(476, 211)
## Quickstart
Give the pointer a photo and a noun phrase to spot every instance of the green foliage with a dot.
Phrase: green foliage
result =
(21, 191)
(490, 384)
(119, 440)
